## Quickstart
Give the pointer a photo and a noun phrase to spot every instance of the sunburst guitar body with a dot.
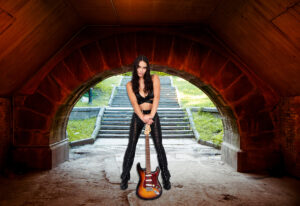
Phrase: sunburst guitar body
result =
(149, 187)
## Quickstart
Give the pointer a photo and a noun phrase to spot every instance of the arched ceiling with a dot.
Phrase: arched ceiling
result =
(264, 35)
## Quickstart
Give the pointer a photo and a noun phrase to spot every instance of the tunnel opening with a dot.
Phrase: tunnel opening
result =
(230, 132)
(204, 119)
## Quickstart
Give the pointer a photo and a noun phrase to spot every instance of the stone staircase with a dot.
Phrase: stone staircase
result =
(116, 119)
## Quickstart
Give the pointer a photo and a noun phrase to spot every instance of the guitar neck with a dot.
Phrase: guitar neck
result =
(147, 149)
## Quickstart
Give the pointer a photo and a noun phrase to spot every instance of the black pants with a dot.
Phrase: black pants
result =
(136, 127)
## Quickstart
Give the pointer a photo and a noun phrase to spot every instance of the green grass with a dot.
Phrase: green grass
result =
(80, 129)
(190, 95)
(209, 127)
(151, 72)
(101, 92)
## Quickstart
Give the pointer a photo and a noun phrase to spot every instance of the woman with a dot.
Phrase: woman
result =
(144, 92)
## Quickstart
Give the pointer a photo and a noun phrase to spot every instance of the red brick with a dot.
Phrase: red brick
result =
(259, 141)
(163, 44)
(238, 90)
(212, 65)
(179, 52)
(77, 66)
(52, 90)
(226, 76)
(110, 53)
(197, 55)
(250, 105)
(145, 44)
(28, 120)
(33, 157)
(126, 42)
(64, 77)
(31, 138)
(93, 57)
(39, 103)
(261, 122)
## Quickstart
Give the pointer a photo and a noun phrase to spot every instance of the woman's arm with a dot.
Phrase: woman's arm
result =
(133, 101)
(156, 90)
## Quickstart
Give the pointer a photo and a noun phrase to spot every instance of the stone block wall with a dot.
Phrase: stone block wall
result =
(84, 113)
(289, 118)
(5, 131)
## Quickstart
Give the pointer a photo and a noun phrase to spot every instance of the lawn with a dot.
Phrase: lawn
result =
(80, 129)
(190, 95)
(209, 127)
(101, 92)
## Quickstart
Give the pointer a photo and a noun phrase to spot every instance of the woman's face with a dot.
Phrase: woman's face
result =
(142, 68)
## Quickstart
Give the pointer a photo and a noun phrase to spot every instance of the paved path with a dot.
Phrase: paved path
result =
(199, 177)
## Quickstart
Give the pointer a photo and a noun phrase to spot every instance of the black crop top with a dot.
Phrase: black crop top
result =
(141, 99)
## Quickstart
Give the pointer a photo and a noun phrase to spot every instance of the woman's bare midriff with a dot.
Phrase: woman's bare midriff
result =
(146, 106)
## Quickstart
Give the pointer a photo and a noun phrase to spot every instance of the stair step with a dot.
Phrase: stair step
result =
(130, 109)
(143, 136)
(129, 119)
(131, 112)
(117, 98)
(161, 116)
(127, 127)
(160, 105)
(128, 122)
(163, 131)
(127, 101)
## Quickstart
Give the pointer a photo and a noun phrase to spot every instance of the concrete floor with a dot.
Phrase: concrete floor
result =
(199, 177)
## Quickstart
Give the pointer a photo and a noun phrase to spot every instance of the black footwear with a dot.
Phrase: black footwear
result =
(124, 184)
(167, 185)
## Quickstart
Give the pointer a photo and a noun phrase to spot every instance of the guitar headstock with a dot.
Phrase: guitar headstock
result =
(147, 129)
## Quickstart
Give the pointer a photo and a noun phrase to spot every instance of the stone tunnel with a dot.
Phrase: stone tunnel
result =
(243, 55)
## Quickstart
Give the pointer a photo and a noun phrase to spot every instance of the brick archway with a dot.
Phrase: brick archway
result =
(40, 119)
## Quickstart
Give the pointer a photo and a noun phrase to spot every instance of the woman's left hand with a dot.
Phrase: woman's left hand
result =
(150, 121)
(148, 118)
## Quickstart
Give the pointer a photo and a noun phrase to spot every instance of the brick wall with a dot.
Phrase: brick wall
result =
(290, 134)
(4, 130)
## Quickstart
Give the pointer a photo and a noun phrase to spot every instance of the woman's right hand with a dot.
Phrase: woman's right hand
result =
(147, 120)
(150, 121)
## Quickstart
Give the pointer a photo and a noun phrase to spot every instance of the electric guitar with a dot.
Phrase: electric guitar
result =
(149, 187)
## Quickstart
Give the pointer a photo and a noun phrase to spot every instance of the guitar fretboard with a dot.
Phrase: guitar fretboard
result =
(147, 145)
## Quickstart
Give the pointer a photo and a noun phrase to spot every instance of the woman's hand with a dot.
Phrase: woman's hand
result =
(147, 119)
(150, 121)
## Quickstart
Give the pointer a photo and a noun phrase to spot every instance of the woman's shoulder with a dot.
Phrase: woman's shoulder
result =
(129, 85)
(154, 76)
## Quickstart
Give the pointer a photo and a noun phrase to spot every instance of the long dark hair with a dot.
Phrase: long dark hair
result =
(147, 77)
